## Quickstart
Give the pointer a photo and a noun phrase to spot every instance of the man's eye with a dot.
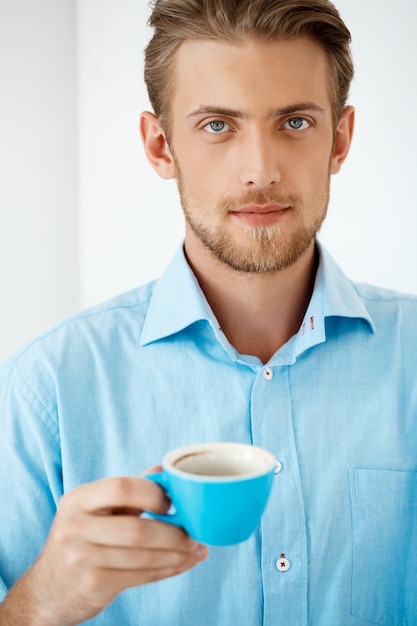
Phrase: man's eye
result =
(297, 123)
(217, 126)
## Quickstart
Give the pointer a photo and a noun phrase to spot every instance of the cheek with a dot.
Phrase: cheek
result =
(204, 177)
(306, 161)
(317, 168)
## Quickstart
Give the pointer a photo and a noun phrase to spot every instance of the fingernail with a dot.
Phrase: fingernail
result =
(195, 546)
(201, 552)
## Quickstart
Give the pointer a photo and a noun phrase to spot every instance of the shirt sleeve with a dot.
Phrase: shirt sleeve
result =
(30, 474)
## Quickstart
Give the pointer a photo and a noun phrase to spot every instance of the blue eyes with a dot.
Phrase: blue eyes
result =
(296, 123)
(218, 127)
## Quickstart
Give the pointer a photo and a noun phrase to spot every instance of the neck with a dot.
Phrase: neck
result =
(258, 313)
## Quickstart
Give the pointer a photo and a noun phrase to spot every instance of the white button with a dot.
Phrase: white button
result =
(283, 564)
(267, 372)
(278, 466)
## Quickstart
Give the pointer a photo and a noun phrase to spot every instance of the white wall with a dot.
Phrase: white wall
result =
(372, 223)
(130, 219)
(38, 229)
(129, 222)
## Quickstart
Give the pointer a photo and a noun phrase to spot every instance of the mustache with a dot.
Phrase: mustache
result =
(258, 197)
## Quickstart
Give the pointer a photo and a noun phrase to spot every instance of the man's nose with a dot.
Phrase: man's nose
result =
(259, 161)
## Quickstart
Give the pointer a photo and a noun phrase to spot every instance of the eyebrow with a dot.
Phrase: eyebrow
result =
(273, 114)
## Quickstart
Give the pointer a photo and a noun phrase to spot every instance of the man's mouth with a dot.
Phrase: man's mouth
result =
(260, 214)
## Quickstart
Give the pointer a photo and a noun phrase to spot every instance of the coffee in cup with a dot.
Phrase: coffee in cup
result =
(219, 490)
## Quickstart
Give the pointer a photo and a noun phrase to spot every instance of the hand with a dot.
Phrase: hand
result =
(97, 547)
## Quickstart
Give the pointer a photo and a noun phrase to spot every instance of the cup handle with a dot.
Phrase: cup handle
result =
(170, 518)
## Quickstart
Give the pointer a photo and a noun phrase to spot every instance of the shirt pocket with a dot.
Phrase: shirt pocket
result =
(384, 527)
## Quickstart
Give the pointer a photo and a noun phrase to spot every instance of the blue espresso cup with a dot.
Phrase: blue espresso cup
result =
(219, 490)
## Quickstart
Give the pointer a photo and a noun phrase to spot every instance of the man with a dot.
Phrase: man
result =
(253, 334)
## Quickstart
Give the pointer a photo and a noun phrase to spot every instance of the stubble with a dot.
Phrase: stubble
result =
(264, 249)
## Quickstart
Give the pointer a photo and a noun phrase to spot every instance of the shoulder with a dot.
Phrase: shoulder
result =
(381, 298)
(101, 328)
(389, 308)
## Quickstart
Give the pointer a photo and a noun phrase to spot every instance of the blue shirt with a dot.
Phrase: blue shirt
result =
(111, 390)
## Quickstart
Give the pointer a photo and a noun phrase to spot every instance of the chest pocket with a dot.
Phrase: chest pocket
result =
(384, 522)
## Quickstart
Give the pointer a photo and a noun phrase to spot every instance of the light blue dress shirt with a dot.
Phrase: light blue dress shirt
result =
(111, 390)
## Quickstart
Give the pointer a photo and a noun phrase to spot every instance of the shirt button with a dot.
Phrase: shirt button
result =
(278, 466)
(283, 564)
(267, 372)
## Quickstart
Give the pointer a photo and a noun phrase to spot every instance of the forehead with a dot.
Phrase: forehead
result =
(250, 75)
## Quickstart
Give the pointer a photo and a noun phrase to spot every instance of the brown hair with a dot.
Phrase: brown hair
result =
(235, 20)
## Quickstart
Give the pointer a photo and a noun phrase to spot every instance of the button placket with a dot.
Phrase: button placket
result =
(272, 428)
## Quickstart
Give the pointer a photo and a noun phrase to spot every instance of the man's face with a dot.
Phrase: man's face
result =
(251, 137)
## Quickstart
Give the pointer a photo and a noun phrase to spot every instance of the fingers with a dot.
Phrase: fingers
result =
(131, 531)
(115, 495)
(153, 468)
(102, 518)
(115, 582)
(138, 559)
(99, 545)
(126, 579)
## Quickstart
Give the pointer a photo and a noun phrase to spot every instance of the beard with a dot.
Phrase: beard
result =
(266, 249)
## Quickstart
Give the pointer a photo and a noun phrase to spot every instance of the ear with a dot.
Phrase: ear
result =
(156, 145)
(343, 139)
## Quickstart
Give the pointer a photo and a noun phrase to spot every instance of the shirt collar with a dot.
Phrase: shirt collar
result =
(334, 295)
(178, 302)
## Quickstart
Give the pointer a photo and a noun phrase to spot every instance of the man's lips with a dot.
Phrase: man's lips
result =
(261, 208)
(260, 214)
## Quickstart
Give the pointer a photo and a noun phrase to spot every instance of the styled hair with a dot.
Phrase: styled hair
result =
(175, 21)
